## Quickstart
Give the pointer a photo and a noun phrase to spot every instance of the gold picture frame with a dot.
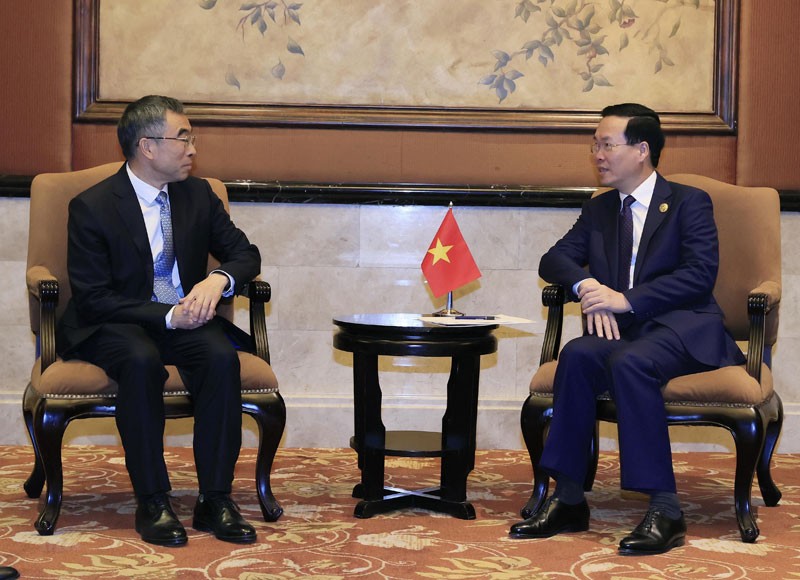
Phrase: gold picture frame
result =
(567, 29)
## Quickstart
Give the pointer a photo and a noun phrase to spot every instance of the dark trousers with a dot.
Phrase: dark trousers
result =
(209, 366)
(633, 370)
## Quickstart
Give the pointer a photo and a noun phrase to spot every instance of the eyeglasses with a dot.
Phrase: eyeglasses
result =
(187, 140)
(609, 147)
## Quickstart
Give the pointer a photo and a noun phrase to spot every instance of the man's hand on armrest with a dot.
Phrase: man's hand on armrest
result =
(599, 303)
(200, 304)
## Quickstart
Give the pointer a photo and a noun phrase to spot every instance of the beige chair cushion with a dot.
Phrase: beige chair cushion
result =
(77, 378)
(726, 386)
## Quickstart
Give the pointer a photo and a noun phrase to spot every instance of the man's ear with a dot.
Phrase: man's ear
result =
(145, 147)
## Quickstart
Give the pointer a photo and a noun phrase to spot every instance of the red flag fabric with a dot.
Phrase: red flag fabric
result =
(448, 264)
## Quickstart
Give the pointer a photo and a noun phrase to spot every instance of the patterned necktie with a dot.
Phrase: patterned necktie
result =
(163, 289)
(625, 243)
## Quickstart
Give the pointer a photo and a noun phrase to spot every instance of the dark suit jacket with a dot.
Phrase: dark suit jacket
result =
(676, 265)
(110, 263)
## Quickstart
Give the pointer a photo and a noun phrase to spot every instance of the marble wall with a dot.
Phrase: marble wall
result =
(323, 260)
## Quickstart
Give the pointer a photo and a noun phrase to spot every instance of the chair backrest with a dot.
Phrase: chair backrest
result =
(749, 227)
(47, 232)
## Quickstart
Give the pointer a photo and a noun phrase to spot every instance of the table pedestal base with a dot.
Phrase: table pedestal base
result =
(371, 336)
(395, 498)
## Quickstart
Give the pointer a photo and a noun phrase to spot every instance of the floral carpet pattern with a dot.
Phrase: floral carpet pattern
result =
(318, 537)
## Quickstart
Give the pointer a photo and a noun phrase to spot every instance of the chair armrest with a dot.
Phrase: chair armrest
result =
(257, 290)
(34, 276)
(757, 307)
(759, 303)
(553, 297)
(772, 292)
(43, 287)
(259, 293)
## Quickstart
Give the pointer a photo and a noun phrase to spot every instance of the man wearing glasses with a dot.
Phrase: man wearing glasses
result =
(138, 246)
(642, 260)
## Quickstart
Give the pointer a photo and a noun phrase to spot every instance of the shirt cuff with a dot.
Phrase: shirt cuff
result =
(577, 286)
(169, 318)
(230, 290)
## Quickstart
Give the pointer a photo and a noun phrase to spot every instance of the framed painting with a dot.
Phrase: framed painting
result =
(546, 65)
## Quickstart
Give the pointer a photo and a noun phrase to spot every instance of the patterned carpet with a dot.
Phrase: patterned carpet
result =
(319, 538)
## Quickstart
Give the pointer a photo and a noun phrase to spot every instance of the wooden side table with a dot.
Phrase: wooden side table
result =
(369, 336)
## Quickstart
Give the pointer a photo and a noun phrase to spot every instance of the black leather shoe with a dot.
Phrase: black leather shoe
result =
(8, 573)
(655, 535)
(555, 517)
(220, 516)
(158, 524)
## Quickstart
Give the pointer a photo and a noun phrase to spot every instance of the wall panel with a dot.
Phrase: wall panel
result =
(320, 155)
(769, 110)
(35, 92)
(36, 37)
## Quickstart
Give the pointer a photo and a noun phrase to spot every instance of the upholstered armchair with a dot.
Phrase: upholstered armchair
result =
(61, 391)
(740, 399)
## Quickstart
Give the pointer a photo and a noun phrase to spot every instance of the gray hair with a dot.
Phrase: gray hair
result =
(143, 118)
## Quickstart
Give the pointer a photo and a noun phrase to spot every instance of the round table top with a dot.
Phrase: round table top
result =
(406, 334)
(403, 320)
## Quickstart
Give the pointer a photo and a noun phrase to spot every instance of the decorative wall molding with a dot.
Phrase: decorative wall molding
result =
(397, 193)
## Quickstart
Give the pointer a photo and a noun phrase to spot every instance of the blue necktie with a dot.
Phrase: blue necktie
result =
(625, 243)
(163, 289)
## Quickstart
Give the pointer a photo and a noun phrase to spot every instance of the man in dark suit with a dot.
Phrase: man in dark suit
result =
(138, 245)
(642, 260)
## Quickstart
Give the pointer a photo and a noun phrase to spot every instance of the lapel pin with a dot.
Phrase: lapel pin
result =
(663, 208)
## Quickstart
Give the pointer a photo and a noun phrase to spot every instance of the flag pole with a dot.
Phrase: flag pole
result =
(448, 310)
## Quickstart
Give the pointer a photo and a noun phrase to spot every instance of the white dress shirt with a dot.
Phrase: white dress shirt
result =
(643, 195)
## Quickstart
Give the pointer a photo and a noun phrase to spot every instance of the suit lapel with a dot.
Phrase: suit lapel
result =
(131, 215)
(656, 214)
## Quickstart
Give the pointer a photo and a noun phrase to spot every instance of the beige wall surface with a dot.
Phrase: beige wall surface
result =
(326, 260)
(348, 260)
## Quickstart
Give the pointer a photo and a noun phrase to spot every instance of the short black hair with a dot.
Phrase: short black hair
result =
(644, 126)
(144, 118)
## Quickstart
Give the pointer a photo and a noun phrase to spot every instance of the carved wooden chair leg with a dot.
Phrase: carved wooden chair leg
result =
(536, 415)
(770, 491)
(749, 444)
(50, 422)
(35, 483)
(594, 457)
(269, 413)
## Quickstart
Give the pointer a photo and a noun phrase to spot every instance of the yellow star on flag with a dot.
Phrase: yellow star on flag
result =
(460, 268)
(440, 252)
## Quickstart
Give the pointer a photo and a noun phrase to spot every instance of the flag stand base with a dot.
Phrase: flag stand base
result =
(448, 310)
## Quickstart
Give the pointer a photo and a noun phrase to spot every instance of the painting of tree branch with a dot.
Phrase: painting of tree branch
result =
(415, 62)
(592, 40)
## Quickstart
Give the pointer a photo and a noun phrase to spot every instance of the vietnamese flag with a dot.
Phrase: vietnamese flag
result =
(448, 264)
